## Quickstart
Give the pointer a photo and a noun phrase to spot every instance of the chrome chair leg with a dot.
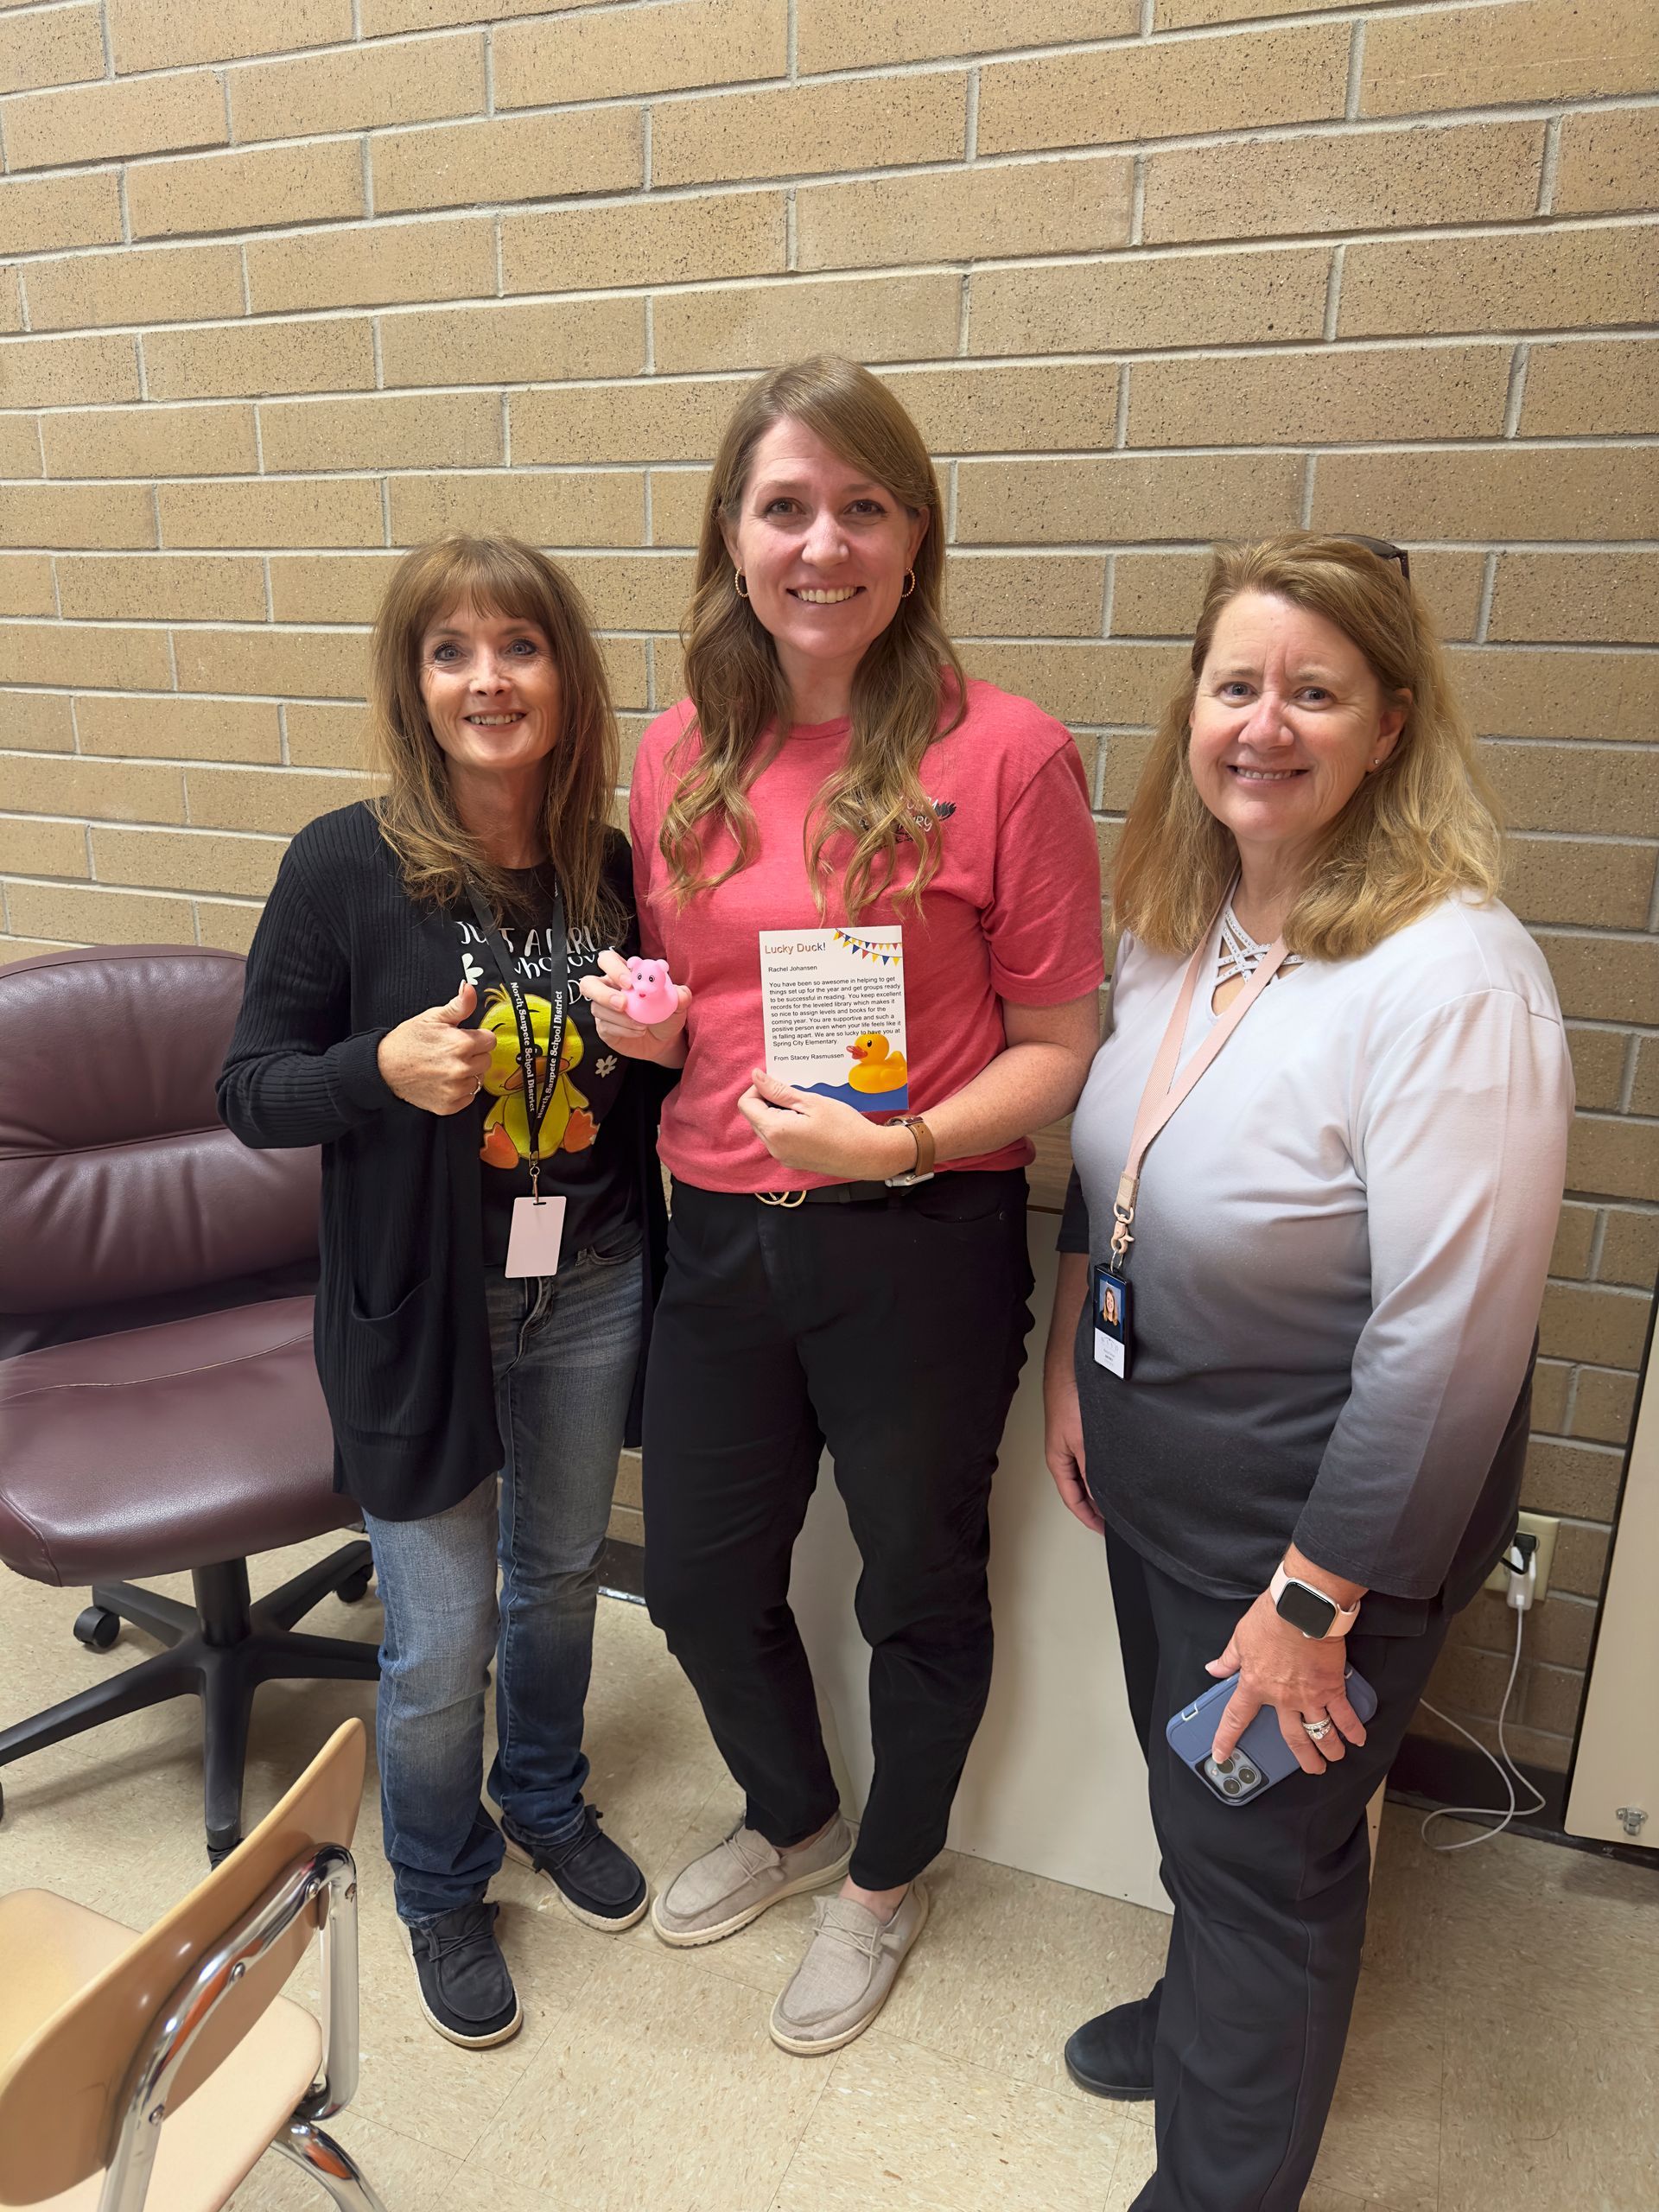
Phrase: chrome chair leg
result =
(328, 2164)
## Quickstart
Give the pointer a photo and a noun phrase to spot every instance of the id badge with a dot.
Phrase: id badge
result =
(1113, 1328)
(534, 1239)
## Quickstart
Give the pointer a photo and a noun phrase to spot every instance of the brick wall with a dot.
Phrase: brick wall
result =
(290, 287)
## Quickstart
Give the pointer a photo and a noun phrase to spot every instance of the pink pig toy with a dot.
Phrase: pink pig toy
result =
(652, 996)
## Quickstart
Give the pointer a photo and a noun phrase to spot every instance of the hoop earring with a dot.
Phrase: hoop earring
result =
(742, 588)
(908, 585)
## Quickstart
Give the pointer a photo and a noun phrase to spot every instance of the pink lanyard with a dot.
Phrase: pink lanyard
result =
(1165, 1091)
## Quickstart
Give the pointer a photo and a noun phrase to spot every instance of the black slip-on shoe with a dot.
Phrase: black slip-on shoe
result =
(465, 1990)
(1111, 2055)
(598, 1881)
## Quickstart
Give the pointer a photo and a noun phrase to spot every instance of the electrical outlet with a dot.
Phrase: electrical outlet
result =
(1543, 1526)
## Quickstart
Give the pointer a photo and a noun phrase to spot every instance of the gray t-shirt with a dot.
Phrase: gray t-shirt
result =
(1341, 1239)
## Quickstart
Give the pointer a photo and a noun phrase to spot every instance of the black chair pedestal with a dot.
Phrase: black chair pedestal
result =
(219, 1651)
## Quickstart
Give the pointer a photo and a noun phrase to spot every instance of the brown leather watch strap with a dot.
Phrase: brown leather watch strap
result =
(923, 1137)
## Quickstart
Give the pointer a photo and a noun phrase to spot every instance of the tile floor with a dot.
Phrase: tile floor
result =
(1503, 2053)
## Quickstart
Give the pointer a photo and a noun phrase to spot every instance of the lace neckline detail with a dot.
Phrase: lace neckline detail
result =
(1238, 955)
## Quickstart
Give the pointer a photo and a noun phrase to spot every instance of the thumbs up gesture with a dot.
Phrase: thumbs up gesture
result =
(432, 1061)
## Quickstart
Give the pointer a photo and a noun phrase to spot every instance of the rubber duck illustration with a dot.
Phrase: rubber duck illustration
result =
(876, 1066)
(569, 1125)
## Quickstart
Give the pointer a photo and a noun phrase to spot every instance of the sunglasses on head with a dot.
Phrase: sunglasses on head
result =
(1381, 546)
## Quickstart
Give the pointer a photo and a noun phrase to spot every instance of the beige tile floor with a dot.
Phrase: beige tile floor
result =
(1503, 2052)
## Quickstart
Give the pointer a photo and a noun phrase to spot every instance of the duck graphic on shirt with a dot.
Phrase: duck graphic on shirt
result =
(569, 1126)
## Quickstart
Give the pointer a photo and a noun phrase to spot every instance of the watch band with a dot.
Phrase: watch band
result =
(923, 1170)
(1342, 1619)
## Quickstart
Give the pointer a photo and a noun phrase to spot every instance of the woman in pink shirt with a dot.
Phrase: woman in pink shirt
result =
(838, 1279)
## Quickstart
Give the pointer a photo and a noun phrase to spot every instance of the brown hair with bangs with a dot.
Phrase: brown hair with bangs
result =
(417, 817)
(900, 690)
(1422, 828)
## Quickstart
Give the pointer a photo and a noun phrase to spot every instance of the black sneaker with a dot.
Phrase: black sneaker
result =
(598, 1881)
(1111, 2055)
(465, 1990)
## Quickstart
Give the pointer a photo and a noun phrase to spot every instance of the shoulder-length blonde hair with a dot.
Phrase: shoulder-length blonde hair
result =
(417, 817)
(1422, 826)
(908, 680)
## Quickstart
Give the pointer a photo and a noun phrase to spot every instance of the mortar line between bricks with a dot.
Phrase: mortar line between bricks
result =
(1311, 348)
(1598, 1240)
(1356, 70)
(1488, 586)
(1333, 292)
(1632, 1055)
(1632, 331)
(966, 555)
(1517, 396)
(477, 213)
(1170, 35)
(1549, 168)
(1243, 133)
(1329, 127)
(230, 625)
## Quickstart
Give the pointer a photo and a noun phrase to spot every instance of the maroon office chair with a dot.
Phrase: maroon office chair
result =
(159, 1404)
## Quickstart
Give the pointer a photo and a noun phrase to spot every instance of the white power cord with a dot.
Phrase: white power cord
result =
(1523, 1581)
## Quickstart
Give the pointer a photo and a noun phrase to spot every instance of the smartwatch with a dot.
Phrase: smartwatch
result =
(922, 1171)
(1310, 1610)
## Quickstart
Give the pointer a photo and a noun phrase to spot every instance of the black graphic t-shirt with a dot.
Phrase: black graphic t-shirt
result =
(583, 1148)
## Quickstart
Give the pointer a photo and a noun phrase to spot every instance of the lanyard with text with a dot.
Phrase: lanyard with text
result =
(537, 1099)
(1165, 1091)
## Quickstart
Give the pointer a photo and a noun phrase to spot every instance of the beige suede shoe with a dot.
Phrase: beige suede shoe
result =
(851, 1963)
(739, 1879)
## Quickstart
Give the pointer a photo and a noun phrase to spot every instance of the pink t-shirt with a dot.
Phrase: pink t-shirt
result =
(1013, 913)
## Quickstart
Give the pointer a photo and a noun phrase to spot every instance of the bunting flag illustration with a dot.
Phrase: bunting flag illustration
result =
(866, 949)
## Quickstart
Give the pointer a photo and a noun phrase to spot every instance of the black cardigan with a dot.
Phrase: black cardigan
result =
(342, 955)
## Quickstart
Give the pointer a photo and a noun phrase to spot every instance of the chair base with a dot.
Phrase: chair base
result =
(220, 1651)
(321, 2156)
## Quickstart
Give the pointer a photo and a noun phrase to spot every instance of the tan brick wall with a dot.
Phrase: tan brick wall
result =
(286, 289)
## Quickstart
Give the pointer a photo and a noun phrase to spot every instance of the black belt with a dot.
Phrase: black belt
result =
(831, 1194)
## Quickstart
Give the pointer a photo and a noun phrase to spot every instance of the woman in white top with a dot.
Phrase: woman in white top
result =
(1302, 1430)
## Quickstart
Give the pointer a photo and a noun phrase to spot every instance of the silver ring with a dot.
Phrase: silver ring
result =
(478, 1086)
(1318, 1729)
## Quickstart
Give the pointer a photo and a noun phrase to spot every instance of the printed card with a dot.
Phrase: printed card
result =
(835, 1013)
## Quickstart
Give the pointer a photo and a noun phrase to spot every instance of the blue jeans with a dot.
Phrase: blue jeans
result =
(565, 1348)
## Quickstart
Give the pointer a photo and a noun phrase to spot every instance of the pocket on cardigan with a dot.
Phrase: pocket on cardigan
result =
(389, 1381)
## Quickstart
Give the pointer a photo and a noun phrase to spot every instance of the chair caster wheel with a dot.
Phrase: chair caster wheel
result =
(218, 1853)
(356, 1587)
(97, 1629)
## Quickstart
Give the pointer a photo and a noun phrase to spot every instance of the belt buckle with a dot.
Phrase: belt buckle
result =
(785, 1199)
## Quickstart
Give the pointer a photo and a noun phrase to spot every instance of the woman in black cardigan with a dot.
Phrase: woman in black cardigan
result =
(492, 1223)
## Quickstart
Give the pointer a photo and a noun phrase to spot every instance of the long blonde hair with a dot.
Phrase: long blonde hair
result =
(905, 683)
(417, 817)
(1422, 826)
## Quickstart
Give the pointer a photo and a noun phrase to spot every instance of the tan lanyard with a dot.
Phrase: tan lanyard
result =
(1165, 1091)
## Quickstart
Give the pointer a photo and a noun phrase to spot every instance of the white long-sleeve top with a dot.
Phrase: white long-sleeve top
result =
(1341, 1239)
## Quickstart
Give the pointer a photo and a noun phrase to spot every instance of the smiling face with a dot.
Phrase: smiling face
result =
(1287, 722)
(492, 691)
(823, 552)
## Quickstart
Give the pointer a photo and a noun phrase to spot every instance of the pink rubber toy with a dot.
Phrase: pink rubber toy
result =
(651, 995)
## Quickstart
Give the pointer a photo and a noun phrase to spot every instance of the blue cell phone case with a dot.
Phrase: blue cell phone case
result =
(1262, 1757)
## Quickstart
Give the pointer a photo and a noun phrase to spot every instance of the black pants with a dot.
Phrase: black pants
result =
(893, 1332)
(1270, 1902)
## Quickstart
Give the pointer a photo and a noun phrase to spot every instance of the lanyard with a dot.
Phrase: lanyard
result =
(535, 1101)
(1165, 1091)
